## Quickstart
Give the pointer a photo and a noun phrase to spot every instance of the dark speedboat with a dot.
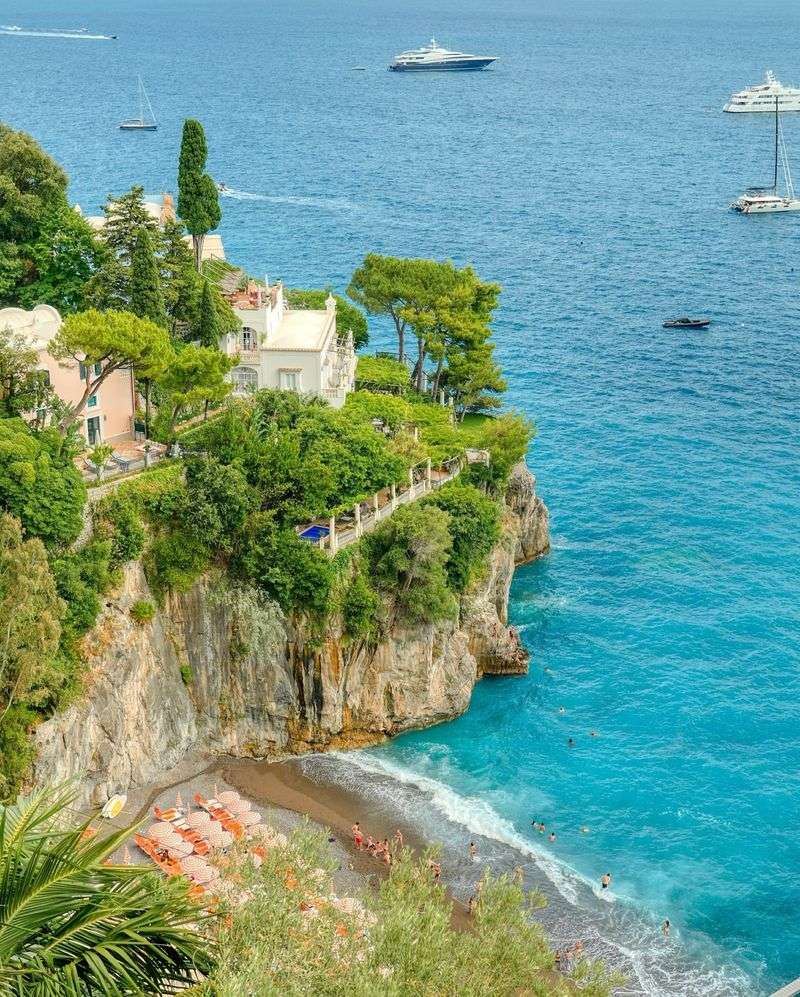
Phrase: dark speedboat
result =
(687, 323)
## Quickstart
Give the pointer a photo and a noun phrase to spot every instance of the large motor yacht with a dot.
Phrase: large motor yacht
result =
(435, 58)
(761, 97)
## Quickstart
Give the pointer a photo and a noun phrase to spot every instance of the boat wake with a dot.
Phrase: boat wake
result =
(14, 29)
(617, 929)
(327, 203)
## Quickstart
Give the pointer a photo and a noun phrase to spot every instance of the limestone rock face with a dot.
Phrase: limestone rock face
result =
(220, 670)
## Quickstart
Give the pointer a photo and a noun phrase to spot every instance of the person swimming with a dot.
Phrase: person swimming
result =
(605, 880)
(552, 836)
(571, 743)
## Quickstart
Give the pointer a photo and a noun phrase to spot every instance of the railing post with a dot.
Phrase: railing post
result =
(332, 534)
(357, 512)
(411, 481)
(376, 504)
(428, 482)
(394, 497)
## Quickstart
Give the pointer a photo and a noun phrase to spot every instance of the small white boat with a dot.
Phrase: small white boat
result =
(766, 200)
(761, 97)
(142, 123)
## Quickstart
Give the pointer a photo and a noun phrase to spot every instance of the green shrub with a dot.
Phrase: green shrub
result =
(474, 527)
(507, 439)
(293, 572)
(383, 372)
(17, 750)
(407, 556)
(363, 406)
(361, 609)
(143, 611)
(217, 501)
(122, 520)
(39, 484)
(81, 577)
(175, 561)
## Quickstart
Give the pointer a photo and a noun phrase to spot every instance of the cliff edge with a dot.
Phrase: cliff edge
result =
(220, 670)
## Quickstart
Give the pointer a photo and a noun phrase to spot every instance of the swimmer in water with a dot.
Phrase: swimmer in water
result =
(584, 830)
(561, 709)
(665, 928)
(605, 881)
(571, 743)
(552, 836)
(593, 733)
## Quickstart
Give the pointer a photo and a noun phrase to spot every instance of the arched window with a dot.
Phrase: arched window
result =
(244, 379)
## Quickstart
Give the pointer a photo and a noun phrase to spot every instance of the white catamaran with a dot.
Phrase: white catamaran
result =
(141, 123)
(760, 200)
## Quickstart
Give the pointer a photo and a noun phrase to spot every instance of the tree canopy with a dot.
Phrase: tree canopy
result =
(47, 250)
(115, 340)
(39, 484)
(449, 311)
(23, 386)
(198, 199)
(195, 375)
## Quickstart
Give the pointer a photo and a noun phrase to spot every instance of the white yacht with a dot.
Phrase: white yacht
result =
(763, 200)
(434, 58)
(761, 97)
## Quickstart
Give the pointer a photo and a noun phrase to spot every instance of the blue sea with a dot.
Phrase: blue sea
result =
(590, 172)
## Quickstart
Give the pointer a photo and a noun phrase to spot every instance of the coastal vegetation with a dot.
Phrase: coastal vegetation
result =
(198, 200)
(252, 476)
(398, 940)
(72, 925)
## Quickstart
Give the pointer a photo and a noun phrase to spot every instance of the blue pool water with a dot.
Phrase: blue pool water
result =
(589, 172)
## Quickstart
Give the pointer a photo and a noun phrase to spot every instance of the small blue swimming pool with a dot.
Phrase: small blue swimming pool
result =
(315, 533)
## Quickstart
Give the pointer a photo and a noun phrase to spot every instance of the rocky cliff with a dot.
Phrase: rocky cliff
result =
(220, 670)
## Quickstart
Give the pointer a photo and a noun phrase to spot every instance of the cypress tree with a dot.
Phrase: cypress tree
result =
(208, 331)
(198, 200)
(146, 297)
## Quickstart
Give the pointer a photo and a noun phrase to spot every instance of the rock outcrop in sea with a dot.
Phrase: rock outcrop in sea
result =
(221, 671)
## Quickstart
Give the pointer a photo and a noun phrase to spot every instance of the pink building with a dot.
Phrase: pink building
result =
(108, 414)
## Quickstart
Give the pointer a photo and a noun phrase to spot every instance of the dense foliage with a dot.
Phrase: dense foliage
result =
(47, 251)
(474, 527)
(448, 311)
(198, 200)
(400, 940)
(71, 924)
(39, 483)
(383, 372)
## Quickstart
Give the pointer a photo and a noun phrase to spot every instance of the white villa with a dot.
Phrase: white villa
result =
(291, 349)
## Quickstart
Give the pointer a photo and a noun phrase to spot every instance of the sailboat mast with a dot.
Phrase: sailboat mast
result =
(141, 105)
(775, 179)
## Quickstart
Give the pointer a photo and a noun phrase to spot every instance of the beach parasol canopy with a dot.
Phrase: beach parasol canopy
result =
(229, 797)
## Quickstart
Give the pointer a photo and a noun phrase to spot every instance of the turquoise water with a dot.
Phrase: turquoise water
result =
(589, 172)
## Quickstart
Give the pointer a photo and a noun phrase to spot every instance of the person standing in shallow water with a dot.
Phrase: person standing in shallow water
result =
(665, 928)
(605, 881)
(473, 851)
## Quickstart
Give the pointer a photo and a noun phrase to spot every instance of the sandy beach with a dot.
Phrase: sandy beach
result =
(286, 798)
